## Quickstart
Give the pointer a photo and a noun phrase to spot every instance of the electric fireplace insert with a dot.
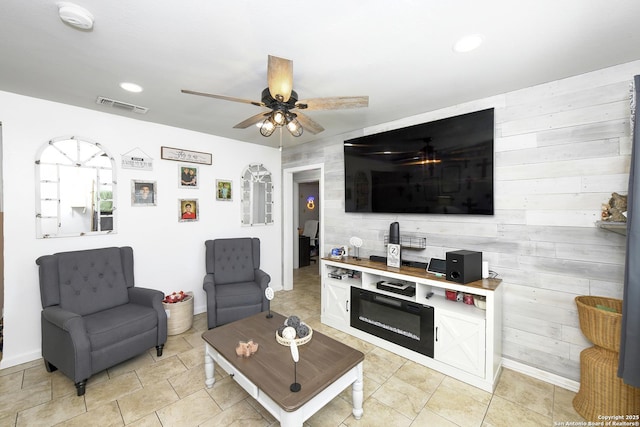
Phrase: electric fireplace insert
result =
(402, 322)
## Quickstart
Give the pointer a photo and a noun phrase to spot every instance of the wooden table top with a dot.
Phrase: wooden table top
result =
(322, 360)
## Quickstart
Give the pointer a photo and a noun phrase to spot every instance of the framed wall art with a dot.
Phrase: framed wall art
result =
(224, 190)
(143, 193)
(188, 210)
(188, 176)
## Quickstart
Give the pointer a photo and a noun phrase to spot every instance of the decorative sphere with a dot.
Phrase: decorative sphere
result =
(280, 329)
(289, 333)
(302, 330)
(293, 321)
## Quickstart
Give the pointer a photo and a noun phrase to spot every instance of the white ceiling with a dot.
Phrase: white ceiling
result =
(399, 53)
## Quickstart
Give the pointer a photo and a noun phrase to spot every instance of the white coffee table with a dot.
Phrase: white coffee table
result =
(326, 367)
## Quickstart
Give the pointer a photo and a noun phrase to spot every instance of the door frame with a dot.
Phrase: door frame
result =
(290, 221)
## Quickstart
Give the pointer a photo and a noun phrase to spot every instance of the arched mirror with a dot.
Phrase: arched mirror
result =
(257, 196)
(75, 189)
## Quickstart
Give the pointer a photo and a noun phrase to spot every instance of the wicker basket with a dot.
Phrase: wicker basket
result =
(601, 327)
(601, 390)
(179, 315)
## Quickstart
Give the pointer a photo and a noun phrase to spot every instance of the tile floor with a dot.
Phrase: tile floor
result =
(170, 391)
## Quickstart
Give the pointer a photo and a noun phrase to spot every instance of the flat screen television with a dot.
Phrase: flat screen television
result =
(440, 167)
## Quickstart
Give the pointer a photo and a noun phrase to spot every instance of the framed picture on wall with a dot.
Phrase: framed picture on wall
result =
(223, 190)
(143, 193)
(188, 176)
(188, 210)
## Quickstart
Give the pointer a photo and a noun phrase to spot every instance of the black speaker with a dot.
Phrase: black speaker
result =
(394, 233)
(464, 266)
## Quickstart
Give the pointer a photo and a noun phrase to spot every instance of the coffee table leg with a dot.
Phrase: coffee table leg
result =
(208, 367)
(358, 394)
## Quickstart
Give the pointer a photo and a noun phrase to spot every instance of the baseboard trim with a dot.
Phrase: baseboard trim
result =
(541, 375)
(20, 359)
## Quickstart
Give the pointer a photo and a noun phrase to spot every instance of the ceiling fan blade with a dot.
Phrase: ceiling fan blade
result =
(252, 120)
(280, 77)
(226, 98)
(335, 103)
(308, 124)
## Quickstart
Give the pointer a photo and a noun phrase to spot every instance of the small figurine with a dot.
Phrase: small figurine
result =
(246, 349)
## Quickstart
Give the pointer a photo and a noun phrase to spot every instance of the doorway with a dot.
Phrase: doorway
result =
(291, 179)
(308, 222)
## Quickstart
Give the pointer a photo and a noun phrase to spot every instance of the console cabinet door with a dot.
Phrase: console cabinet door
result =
(460, 341)
(335, 304)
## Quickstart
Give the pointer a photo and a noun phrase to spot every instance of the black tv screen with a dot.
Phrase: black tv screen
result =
(439, 167)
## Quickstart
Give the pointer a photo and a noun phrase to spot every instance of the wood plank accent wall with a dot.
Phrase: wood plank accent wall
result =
(561, 149)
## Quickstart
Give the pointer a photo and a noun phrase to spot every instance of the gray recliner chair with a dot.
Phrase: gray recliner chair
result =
(92, 315)
(234, 282)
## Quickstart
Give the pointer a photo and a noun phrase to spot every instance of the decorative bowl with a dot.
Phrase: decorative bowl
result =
(299, 341)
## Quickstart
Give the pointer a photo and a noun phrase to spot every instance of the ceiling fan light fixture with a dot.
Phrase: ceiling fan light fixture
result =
(278, 117)
(293, 126)
(267, 127)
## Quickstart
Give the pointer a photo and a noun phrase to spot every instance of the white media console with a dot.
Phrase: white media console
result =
(467, 339)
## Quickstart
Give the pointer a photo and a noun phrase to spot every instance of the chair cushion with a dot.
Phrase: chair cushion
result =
(238, 294)
(119, 323)
(91, 280)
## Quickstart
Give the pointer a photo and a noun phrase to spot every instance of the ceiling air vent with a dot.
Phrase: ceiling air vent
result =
(121, 105)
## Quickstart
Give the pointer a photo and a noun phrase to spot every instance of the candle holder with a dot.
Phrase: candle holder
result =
(295, 387)
(268, 293)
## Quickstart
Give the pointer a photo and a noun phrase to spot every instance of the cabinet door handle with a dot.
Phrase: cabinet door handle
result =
(436, 333)
(346, 306)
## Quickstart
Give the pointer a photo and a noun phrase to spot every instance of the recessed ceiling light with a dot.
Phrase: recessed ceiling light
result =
(468, 43)
(75, 16)
(131, 87)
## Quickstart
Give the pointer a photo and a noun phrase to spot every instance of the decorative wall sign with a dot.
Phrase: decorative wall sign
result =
(137, 159)
(179, 155)
(311, 203)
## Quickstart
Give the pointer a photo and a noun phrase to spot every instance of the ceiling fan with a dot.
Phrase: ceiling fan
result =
(281, 99)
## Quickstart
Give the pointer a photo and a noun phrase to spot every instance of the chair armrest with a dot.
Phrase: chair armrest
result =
(262, 278)
(146, 296)
(63, 319)
(151, 298)
(209, 286)
(209, 283)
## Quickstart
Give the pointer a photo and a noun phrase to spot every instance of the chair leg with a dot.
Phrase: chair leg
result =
(81, 387)
(49, 366)
(159, 349)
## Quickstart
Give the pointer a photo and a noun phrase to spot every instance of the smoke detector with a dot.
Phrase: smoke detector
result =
(76, 16)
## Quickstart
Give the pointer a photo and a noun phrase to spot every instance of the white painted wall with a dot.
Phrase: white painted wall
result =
(561, 149)
(169, 255)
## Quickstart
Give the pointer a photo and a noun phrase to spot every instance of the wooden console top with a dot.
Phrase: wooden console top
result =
(352, 262)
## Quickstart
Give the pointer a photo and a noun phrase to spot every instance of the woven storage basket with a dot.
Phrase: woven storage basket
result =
(179, 315)
(601, 390)
(601, 327)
